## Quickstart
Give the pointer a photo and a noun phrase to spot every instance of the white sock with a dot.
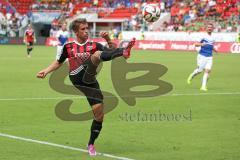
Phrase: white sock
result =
(204, 80)
(195, 72)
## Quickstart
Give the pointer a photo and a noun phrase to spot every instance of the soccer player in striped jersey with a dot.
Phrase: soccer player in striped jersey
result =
(84, 56)
(205, 57)
(29, 38)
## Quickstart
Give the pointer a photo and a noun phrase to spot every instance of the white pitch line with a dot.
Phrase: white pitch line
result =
(203, 94)
(60, 146)
(38, 98)
(147, 96)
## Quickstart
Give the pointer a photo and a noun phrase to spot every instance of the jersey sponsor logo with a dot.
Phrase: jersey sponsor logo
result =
(84, 56)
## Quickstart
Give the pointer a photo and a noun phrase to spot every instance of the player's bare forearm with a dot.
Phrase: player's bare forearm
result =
(214, 49)
(198, 44)
(105, 36)
(52, 67)
(24, 39)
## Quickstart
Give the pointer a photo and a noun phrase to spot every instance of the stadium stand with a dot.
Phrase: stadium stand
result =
(184, 15)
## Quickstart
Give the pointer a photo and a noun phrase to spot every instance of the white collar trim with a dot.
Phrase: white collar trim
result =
(81, 44)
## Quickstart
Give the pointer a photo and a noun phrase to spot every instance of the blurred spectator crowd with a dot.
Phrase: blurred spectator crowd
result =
(191, 15)
(185, 15)
(11, 21)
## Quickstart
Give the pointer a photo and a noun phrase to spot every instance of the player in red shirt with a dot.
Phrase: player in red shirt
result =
(29, 39)
(84, 56)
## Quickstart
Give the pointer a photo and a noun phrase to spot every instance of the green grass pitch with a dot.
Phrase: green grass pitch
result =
(211, 133)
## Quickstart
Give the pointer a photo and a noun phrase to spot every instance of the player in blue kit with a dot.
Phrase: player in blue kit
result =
(205, 57)
(62, 36)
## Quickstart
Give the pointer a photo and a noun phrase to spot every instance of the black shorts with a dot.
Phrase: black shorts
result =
(90, 89)
(30, 43)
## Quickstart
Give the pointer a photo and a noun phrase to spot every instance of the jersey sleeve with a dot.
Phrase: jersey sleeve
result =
(63, 56)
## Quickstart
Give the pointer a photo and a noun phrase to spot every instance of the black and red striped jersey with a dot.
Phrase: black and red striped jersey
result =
(29, 35)
(77, 54)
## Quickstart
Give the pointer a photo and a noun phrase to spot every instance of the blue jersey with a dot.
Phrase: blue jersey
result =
(207, 49)
(62, 37)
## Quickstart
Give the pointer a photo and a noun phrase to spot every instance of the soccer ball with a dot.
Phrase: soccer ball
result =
(151, 13)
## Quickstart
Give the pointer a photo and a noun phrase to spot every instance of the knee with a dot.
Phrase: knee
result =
(207, 71)
(99, 117)
(98, 111)
(95, 58)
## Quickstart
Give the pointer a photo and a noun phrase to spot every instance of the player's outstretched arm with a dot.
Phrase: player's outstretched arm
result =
(52, 67)
(105, 36)
(198, 44)
(34, 39)
(24, 39)
(215, 50)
